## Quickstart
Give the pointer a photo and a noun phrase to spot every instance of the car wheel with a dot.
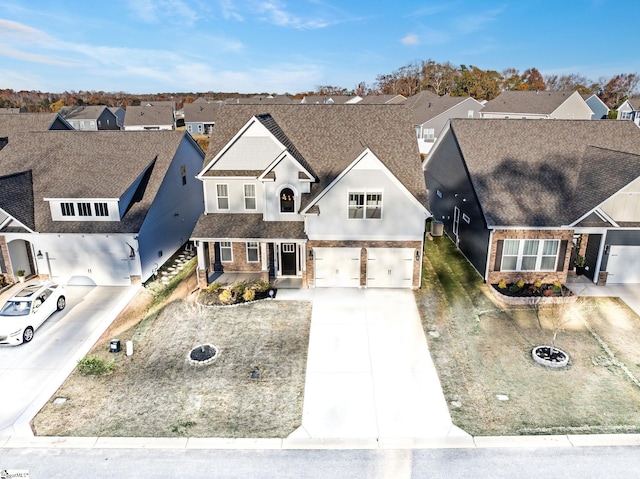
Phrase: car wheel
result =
(27, 334)
(61, 303)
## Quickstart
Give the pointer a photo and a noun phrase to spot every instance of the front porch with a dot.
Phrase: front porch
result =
(233, 277)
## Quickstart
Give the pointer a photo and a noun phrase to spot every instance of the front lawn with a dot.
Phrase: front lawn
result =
(482, 351)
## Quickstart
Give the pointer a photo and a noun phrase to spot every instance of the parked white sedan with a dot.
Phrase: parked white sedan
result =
(27, 309)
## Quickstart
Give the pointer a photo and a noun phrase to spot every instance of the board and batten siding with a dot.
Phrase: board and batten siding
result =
(287, 176)
(449, 186)
(174, 212)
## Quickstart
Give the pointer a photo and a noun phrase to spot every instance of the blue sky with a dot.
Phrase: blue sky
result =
(291, 46)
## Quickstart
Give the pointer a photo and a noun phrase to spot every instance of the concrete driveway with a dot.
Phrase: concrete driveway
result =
(30, 373)
(369, 371)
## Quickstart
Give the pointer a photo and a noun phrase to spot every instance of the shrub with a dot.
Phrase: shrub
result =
(214, 287)
(557, 286)
(520, 284)
(261, 286)
(538, 284)
(502, 284)
(249, 295)
(239, 287)
(95, 366)
(225, 296)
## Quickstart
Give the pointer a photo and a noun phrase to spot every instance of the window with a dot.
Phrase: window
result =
(287, 201)
(365, 205)
(252, 252)
(101, 209)
(530, 255)
(418, 132)
(439, 193)
(469, 113)
(183, 171)
(428, 134)
(625, 115)
(200, 128)
(223, 197)
(68, 209)
(84, 209)
(189, 128)
(249, 197)
(466, 218)
(226, 253)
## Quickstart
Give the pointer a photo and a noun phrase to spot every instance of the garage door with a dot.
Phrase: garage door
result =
(390, 267)
(79, 268)
(624, 264)
(337, 267)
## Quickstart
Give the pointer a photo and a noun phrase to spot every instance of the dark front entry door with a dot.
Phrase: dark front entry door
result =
(288, 256)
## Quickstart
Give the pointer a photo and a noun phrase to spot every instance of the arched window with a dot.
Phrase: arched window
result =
(287, 201)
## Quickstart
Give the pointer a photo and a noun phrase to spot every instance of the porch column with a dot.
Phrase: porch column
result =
(264, 253)
(203, 265)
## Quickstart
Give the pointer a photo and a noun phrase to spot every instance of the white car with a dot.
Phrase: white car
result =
(27, 309)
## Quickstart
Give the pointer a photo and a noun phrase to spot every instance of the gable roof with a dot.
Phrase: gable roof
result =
(69, 164)
(200, 112)
(16, 197)
(546, 173)
(634, 103)
(382, 100)
(534, 102)
(83, 112)
(148, 115)
(23, 122)
(426, 105)
(328, 138)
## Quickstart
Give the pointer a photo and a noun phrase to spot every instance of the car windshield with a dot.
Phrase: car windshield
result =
(16, 308)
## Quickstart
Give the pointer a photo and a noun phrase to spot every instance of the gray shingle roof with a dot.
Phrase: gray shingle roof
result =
(330, 137)
(546, 172)
(82, 112)
(23, 122)
(148, 115)
(71, 164)
(246, 226)
(200, 112)
(542, 103)
(425, 106)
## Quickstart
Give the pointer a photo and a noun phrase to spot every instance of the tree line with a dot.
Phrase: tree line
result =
(408, 80)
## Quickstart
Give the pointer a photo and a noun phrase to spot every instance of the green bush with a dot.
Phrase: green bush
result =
(95, 366)
(239, 287)
(214, 287)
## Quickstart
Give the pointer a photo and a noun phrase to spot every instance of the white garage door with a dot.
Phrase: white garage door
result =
(89, 269)
(337, 267)
(624, 264)
(390, 267)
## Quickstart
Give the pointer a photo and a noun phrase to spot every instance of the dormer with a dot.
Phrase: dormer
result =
(84, 209)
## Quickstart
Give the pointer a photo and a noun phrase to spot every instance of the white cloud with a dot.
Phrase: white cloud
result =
(411, 39)
(229, 10)
(473, 22)
(156, 11)
(275, 12)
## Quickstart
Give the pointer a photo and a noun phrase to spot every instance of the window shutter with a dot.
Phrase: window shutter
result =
(561, 255)
(498, 263)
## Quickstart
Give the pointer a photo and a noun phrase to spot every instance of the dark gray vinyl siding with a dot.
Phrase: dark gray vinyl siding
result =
(107, 121)
(445, 172)
(622, 238)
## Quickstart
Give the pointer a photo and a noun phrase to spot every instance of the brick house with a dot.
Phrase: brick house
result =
(522, 198)
(327, 195)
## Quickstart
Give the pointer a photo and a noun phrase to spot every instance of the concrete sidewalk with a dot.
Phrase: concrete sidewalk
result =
(629, 293)
(369, 371)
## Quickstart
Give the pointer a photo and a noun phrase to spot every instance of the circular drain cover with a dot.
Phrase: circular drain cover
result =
(203, 354)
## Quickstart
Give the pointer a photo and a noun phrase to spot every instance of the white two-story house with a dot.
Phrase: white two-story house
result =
(96, 208)
(330, 195)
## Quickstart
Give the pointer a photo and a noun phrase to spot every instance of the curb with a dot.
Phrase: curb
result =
(184, 443)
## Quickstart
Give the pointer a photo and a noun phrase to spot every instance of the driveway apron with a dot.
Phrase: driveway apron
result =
(369, 371)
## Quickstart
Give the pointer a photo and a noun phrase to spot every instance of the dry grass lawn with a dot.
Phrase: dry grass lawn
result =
(156, 392)
(482, 351)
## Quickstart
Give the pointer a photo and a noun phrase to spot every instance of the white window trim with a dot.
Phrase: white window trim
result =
(295, 200)
(429, 134)
(521, 255)
(257, 248)
(255, 197)
(230, 248)
(218, 197)
(364, 206)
